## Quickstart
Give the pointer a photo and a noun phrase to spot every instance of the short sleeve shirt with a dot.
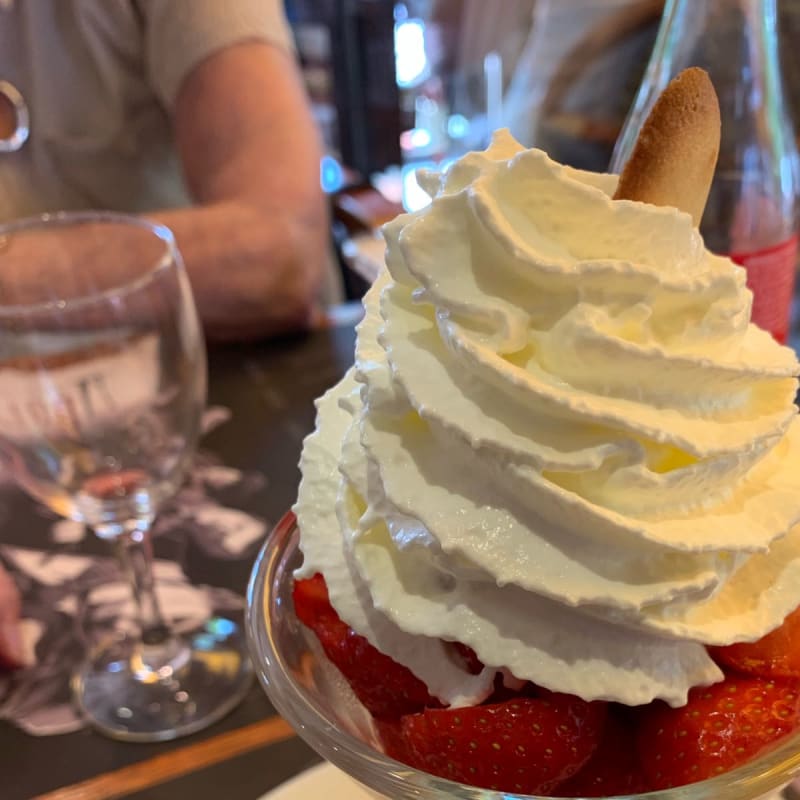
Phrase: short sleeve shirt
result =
(100, 79)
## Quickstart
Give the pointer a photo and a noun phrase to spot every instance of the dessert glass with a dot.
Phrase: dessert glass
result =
(311, 694)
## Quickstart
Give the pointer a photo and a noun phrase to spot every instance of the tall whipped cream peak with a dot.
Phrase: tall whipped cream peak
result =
(562, 444)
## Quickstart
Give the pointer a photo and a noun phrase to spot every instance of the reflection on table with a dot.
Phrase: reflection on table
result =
(261, 407)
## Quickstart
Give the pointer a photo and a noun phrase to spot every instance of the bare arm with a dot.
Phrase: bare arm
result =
(255, 243)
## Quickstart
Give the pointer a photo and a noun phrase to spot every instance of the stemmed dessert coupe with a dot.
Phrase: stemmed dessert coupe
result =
(309, 691)
(312, 695)
(102, 386)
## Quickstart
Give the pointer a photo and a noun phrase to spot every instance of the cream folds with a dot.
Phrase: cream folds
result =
(562, 444)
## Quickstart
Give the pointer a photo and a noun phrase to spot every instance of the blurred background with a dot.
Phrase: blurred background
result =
(400, 85)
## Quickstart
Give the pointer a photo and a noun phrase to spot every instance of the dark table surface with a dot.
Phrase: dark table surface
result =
(269, 389)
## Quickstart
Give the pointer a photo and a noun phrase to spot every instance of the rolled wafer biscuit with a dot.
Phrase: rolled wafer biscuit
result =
(674, 157)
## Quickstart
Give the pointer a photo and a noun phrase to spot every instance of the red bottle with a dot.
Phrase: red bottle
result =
(751, 213)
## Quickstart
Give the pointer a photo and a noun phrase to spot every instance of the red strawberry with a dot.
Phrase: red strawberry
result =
(390, 732)
(776, 655)
(387, 689)
(526, 745)
(614, 768)
(311, 602)
(721, 727)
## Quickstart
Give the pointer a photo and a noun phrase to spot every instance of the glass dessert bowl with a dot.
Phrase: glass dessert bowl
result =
(313, 696)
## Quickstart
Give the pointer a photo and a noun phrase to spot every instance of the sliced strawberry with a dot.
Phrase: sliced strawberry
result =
(776, 655)
(721, 727)
(387, 689)
(390, 732)
(614, 768)
(527, 745)
(311, 601)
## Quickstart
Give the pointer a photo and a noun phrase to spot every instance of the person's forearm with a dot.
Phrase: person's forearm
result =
(255, 241)
(253, 272)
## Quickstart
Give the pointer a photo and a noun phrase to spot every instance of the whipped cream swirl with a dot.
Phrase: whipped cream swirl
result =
(562, 444)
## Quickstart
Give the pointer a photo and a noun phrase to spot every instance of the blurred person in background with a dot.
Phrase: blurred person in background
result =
(190, 112)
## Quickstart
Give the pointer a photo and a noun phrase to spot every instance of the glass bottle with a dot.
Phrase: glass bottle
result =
(751, 213)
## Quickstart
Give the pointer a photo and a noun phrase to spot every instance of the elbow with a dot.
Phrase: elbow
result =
(307, 259)
(274, 285)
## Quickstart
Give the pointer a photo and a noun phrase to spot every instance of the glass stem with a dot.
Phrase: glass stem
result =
(135, 552)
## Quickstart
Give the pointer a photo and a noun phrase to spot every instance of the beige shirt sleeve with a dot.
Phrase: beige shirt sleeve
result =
(179, 34)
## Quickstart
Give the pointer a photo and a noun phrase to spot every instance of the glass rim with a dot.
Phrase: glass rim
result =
(14, 141)
(169, 258)
(768, 772)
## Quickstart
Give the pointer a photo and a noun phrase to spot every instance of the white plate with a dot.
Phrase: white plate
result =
(324, 780)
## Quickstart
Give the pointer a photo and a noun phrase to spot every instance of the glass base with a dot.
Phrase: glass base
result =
(136, 693)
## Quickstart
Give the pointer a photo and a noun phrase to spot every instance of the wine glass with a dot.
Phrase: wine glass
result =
(102, 386)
